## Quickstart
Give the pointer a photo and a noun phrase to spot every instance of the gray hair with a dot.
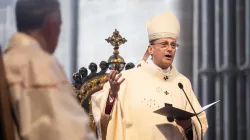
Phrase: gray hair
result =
(31, 14)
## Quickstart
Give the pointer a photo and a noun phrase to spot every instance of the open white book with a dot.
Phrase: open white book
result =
(177, 113)
(207, 106)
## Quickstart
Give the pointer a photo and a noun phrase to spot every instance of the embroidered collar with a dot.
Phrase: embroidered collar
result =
(168, 70)
(159, 73)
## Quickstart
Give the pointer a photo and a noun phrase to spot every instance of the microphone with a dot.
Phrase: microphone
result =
(181, 87)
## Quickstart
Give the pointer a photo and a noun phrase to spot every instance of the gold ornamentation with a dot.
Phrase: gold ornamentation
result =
(116, 40)
(116, 61)
(93, 85)
(87, 89)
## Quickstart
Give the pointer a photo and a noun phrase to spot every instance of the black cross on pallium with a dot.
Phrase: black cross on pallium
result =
(165, 78)
(166, 92)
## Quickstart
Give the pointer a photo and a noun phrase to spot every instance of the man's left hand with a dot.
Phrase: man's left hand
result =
(184, 123)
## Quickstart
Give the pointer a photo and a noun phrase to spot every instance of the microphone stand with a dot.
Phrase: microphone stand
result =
(181, 87)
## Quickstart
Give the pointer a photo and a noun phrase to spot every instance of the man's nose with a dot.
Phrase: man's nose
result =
(169, 49)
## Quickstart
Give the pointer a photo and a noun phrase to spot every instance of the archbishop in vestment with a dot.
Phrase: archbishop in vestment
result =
(124, 109)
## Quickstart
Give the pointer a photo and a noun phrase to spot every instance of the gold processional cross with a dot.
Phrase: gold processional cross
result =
(116, 40)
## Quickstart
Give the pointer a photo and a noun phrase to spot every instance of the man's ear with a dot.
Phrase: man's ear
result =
(150, 49)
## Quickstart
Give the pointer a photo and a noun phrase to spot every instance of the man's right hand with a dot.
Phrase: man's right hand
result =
(115, 82)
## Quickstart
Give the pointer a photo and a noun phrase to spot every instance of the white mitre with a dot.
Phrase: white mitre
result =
(165, 25)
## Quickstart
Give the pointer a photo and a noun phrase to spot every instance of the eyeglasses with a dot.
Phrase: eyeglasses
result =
(165, 45)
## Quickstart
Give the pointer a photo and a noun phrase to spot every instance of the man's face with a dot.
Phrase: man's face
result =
(52, 30)
(163, 52)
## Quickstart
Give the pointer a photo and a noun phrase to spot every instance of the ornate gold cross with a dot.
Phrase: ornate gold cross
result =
(116, 40)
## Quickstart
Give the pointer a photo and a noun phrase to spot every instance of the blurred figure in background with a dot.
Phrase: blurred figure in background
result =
(6, 122)
(41, 96)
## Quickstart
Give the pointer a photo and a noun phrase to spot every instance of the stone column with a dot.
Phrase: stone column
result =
(221, 60)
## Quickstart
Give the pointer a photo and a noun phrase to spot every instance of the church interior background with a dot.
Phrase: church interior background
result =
(214, 48)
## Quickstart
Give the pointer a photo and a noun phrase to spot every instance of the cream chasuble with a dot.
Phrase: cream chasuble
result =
(145, 90)
(42, 98)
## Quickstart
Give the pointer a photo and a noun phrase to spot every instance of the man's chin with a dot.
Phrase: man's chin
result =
(167, 62)
(165, 66)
